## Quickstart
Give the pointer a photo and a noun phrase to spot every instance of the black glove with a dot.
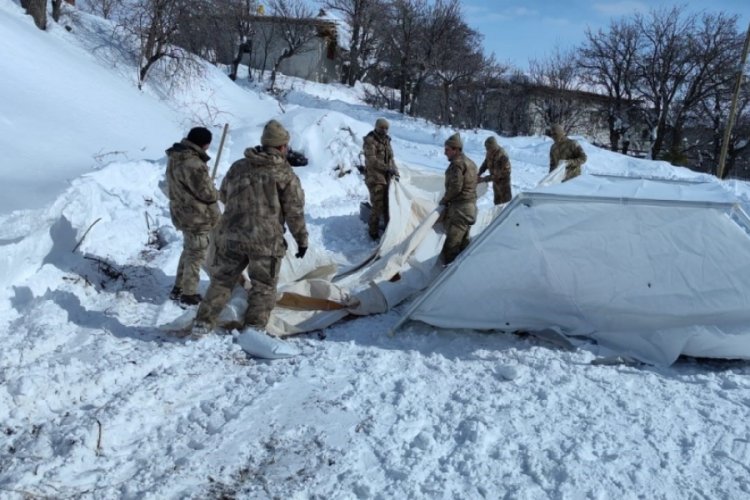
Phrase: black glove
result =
(301, 251)
(392, 173)
(296, 159)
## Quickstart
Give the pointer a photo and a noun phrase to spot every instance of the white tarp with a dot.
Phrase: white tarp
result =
(313, 296)
(650, 268)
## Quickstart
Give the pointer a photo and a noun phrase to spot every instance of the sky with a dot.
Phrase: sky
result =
(519, 31)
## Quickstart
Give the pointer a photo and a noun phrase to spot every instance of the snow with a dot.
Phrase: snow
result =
(97, 402)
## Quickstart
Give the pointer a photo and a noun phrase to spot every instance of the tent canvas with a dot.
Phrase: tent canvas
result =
(313, 293)
(649, 268)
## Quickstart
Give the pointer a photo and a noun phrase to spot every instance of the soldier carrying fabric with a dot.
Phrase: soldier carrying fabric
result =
(497, 162)
(261, 193)
(380, 168)
(567, 150)
(193, 208)
(459, 200)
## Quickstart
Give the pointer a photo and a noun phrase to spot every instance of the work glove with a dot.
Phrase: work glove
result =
(393, 173)
(301, 251)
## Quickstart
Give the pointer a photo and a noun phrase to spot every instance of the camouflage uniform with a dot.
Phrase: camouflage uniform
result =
(193, 208)
(498, 164)
(379, 169)
(460, 202)
(567, 150)
(261, 194)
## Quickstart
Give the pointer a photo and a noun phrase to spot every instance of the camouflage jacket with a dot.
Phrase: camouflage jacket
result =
(261, 193)
(378, 158)
(460, 181)
(569, 151)
(192, 195)
(498, 163)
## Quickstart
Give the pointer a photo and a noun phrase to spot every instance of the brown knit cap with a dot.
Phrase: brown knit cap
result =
(557, 131)
(274, 135)
(455, 141)
(491, 142)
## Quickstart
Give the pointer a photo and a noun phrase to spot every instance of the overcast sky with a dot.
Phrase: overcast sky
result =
(517, 31)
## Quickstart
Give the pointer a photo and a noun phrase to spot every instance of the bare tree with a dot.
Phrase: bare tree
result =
(663, 64)
(608, 62)
(102, 8)
(557, 76)
(403, 26)
(440, 28)
(37, 9)
(241, 11)
(216, 30)
(458, 60)
(713, 49)
(512, 101)
(362, 17)
(295, 31)
(154, 24)
(706, 124)
(474, 99)
(263, 40)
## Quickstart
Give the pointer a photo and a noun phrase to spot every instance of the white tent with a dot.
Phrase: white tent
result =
(650, 268)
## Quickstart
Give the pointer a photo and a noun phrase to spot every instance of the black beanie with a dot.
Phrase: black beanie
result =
(200, 136)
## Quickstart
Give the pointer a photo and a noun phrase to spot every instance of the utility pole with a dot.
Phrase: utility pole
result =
(733, 107)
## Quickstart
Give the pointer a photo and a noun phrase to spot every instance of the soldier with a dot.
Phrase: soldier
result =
(261, 193)
(379, 170)
(459, 200)
(497, 162)
(567, 150)
(193, 208)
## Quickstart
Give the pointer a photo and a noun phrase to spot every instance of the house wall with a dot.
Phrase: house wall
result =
(317, 60)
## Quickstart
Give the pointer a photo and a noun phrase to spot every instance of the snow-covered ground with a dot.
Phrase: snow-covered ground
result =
(96, 402)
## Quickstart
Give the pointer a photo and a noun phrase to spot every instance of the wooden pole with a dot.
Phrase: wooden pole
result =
(218, 154)
(733, 107)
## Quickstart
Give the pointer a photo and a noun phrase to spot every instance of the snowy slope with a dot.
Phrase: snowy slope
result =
(96, 402)
(64, 114)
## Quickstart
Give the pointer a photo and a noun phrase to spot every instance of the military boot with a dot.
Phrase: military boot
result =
(191, 300)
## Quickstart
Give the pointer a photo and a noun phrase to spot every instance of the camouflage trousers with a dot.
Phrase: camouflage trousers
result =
(571, 172)
(379, 207)
(502, 192)
(458, 221)
(194, 249)
(226, 267)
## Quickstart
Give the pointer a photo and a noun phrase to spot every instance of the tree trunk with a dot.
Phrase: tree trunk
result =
(614, 133)
(37, 9)
(56, 9)
(351, 76)
(661, 130)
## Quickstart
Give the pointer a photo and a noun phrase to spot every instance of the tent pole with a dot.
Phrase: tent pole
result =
(733, 107)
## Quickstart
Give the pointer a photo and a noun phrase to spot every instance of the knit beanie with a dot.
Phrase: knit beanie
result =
(455, 141)
(274, 135)
(382, 122)
(200, 136)
(491, 143)
(557, 131)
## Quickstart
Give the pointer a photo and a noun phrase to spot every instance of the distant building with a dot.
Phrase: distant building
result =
(318, 59)
(589, 115)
